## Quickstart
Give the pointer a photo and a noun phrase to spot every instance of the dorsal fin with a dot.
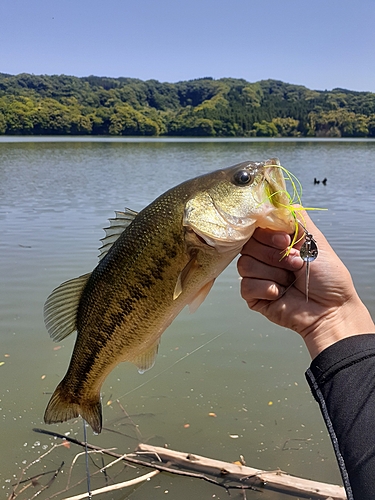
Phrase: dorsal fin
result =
(60, 309)
(116, 227)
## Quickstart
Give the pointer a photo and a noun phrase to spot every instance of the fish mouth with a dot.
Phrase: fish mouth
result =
(275, 186)
(278, 215)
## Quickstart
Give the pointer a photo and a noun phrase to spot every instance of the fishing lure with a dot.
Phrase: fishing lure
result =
(308, 252)
(295, 205)
(309, 249)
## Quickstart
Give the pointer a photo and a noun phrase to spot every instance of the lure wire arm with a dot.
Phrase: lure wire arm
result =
(308, 252)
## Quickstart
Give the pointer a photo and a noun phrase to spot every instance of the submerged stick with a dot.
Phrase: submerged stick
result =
(87, 460)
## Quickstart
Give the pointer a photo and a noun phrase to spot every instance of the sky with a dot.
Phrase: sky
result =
(321, 44)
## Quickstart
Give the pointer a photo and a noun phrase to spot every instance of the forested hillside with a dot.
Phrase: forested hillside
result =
(59, 104)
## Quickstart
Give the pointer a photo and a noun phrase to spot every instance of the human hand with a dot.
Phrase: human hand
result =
(276, 287)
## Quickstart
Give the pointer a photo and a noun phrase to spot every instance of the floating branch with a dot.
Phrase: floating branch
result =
(230, 472)
(117, 486)
(225, 474)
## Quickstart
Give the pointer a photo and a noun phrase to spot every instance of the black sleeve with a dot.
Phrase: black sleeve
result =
(342, 380)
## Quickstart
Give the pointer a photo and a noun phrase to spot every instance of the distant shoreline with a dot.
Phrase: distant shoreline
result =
(79, 138)
(60, 105)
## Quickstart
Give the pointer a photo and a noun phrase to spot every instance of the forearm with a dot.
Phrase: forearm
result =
(342, 379)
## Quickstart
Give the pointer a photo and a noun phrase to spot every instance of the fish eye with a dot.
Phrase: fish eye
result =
(243, 177)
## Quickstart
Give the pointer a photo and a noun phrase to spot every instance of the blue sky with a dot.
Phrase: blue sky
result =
(321, 44)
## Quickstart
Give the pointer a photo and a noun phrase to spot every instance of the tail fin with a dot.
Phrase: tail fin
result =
(61, 408)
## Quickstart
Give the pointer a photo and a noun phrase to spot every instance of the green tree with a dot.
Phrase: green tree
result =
(264, 129)
(371, 125)
(338, 123)
(3, 123)
(127, 121)
(20, 115)
(53, 117)
(253, 94)
(286, 127)
(188, 123)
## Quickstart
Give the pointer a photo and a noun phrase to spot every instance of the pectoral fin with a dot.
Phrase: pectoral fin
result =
(185, 276)
(146, 360)
(60, 309)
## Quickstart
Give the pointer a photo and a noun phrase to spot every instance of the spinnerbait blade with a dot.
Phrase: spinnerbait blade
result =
(308, 252)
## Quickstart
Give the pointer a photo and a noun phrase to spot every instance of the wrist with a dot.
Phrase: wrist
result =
(351, 318)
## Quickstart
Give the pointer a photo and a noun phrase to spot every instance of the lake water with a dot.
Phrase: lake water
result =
(55, 197)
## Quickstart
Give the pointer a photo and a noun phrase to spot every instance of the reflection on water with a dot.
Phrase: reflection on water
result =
(54, 199)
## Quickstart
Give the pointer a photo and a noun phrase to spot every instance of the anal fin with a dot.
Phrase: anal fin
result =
(146, 360)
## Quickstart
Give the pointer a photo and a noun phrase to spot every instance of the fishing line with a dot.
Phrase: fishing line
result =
(87, 460)
(172, 365)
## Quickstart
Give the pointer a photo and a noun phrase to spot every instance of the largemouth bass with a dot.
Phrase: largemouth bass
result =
(152, 265)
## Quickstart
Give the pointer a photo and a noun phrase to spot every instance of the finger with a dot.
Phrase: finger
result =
(253, 290)
(273, 256)
(248, 267)
(271, 238)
